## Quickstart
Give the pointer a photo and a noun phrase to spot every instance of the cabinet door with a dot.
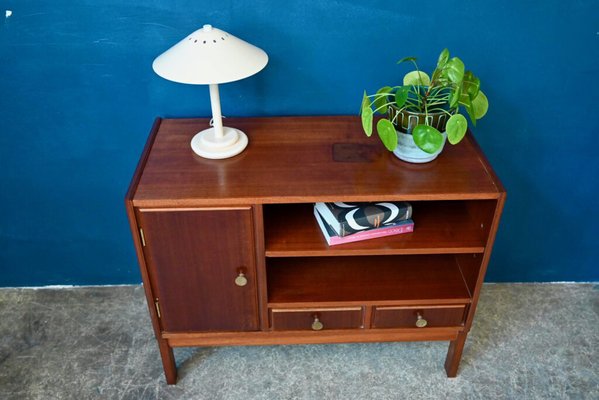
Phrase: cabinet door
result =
(195, 258)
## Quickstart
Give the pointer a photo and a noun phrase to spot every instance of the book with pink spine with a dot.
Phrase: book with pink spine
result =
(405, 226)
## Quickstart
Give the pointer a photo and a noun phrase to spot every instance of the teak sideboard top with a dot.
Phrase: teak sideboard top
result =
(301, 159)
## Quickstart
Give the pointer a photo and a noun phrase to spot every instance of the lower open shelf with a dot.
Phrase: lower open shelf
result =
(363, 280)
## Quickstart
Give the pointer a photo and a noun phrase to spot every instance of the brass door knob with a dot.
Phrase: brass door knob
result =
(420, 321)
(316, 324)
(241, 280)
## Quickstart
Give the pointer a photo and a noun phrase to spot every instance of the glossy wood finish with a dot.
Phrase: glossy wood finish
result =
(485, 260)
(406, 317)
(134, 226)
(309, 337)
(291, 160)
(168, 361)
(260, 265)
(454, 354)
(442, 227)
(303, 319)
(387, 280)
(204, 220)
(194, 257)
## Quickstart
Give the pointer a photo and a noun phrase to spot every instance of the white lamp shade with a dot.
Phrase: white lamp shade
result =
(210, 56)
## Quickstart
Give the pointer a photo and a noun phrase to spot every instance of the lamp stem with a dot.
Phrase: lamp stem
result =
(217, 118)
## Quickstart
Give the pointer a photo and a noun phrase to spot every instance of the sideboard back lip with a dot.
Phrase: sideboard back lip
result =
(489, 168)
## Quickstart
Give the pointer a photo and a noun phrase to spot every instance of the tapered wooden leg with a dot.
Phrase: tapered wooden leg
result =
(454, 355)
(168, 362)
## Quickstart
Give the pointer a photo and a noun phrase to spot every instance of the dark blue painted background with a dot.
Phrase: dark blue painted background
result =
(78, 96)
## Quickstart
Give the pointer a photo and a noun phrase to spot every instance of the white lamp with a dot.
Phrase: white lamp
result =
(210, 56)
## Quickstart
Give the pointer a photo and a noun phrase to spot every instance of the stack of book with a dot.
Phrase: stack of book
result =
(351, 222)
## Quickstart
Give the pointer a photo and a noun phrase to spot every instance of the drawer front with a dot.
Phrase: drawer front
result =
(316, 319)
(418, 317)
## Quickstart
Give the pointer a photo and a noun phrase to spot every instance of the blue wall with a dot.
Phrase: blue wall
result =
(78, 96)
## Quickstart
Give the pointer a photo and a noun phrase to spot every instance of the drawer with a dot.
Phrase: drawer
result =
(316, 318)
(418, 317)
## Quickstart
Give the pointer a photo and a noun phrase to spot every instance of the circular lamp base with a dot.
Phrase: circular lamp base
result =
(205, 144)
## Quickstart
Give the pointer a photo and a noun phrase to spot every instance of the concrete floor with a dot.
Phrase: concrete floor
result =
(528, 342)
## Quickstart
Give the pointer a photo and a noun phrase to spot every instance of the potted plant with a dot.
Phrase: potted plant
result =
(425, 111)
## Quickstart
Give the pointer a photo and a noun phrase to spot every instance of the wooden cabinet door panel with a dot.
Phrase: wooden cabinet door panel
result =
(194, 257)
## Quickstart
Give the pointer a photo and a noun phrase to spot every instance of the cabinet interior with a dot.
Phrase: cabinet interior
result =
(327, 281)
(448, 227)
(438, 263)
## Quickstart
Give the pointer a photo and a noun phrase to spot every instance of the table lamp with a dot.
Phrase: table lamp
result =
(210, 56)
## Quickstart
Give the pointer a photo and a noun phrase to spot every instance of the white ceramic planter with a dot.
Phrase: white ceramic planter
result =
(407, 150)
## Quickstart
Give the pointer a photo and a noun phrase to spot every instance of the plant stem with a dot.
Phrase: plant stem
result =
(383, 106)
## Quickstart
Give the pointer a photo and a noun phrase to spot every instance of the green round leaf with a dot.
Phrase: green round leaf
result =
(443, 57)
(454, 97)
(427, 138)
(456, 128)
(416, 78)
(470, 84)
(380, 100)
(401, 95)
(367, 120)
(465, 99)
(480, 104)
(365, 102)
(470, 111)
(387, 133)
(455, 70)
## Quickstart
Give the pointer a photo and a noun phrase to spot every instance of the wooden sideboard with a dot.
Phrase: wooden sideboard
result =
(230, 252)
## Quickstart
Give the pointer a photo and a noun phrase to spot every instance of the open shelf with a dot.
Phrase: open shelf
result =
(440, 227)
(337, 281)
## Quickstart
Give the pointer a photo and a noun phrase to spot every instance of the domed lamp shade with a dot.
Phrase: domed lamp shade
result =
(210, 56)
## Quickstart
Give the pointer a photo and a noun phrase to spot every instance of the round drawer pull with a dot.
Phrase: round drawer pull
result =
(241, 280)
(316, 324)
(420, 321)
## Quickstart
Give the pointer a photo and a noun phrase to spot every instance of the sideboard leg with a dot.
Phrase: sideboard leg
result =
(454, 355)
(168, 362)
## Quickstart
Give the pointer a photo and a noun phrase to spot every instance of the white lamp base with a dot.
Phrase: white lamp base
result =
(205, 144)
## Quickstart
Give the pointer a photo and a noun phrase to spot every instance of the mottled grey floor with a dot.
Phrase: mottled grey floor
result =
(528, 342)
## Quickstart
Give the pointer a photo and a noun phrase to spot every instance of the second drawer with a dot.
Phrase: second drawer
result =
(316, 318)
(418, 317)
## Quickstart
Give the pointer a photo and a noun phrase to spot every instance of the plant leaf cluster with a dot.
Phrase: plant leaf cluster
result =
(449, 89)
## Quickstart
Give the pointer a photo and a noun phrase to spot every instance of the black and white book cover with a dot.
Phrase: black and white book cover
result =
(348, 218)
